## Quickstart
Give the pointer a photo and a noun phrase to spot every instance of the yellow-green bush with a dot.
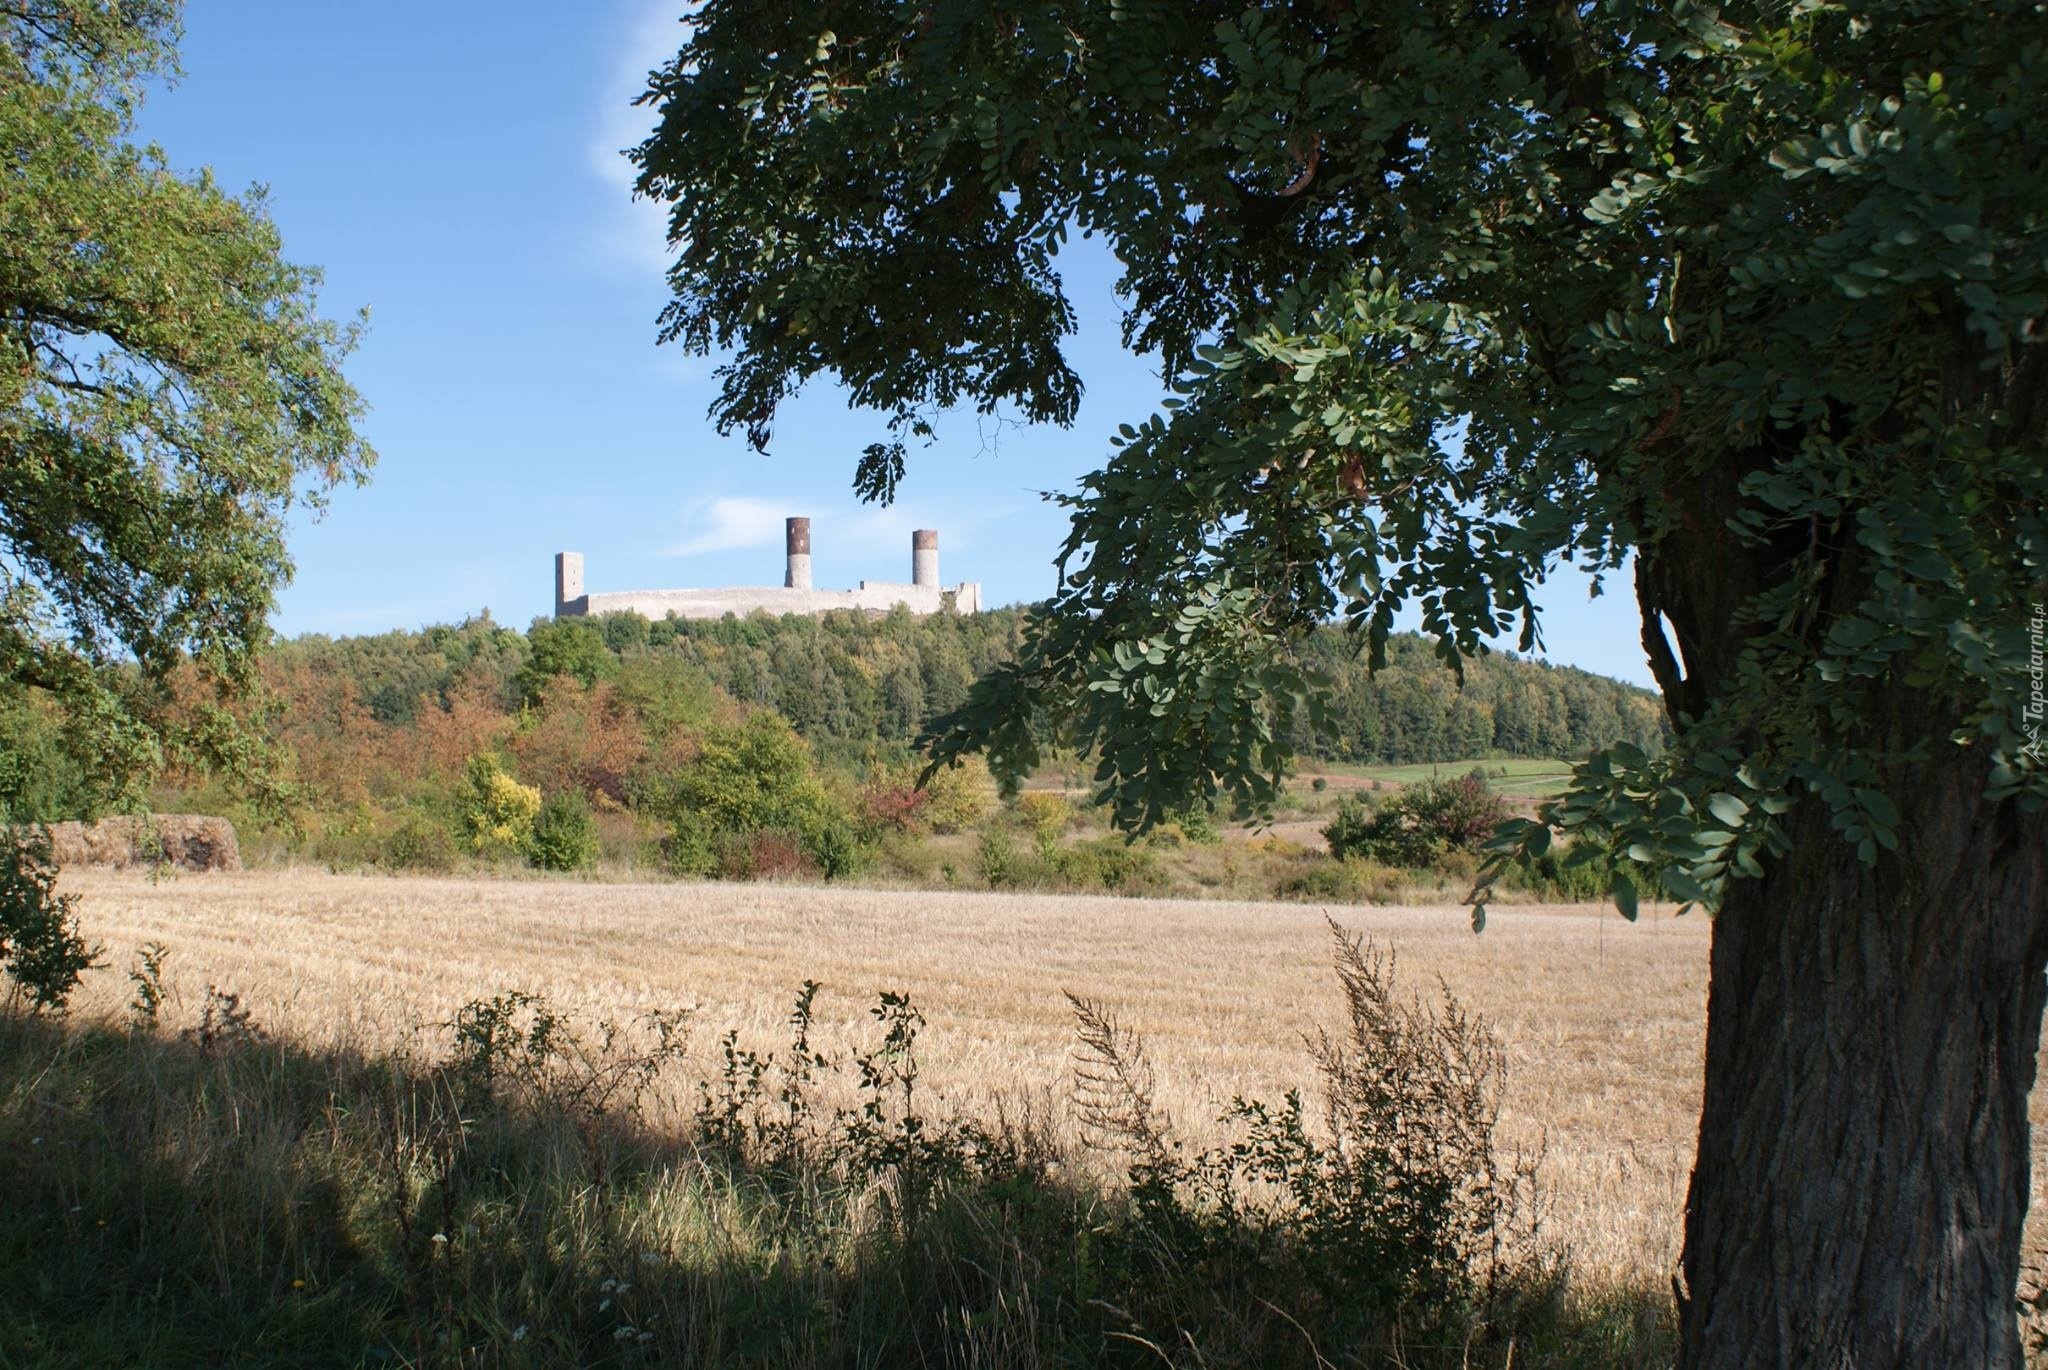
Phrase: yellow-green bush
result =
(498, 811)
(959, 796)
(1046, 813)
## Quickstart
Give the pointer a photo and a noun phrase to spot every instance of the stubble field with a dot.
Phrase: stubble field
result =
(1602, 1019)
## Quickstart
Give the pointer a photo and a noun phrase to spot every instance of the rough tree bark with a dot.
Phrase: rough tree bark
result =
(1862, 1176)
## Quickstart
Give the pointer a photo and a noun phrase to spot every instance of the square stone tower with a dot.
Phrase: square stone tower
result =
(569, 592)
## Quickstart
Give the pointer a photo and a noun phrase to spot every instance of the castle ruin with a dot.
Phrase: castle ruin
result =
(923, 595)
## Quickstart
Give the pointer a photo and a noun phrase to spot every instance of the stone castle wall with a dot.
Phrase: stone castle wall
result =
(795, 595)
(742, 600)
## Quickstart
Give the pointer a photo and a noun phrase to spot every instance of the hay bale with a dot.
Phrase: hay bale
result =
(190, 842)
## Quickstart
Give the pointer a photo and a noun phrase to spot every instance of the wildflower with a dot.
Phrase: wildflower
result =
(440, 1239)
(298, 1284)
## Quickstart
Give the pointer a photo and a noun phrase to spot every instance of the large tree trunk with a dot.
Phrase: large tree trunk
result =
(1862, 1176)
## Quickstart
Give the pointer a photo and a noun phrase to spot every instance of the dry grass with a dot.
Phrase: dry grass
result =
(1602, 1019)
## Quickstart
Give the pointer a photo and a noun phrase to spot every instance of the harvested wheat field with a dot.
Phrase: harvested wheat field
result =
(1602, 1019)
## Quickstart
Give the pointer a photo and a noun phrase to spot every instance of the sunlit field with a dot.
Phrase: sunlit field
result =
(1602, 1018)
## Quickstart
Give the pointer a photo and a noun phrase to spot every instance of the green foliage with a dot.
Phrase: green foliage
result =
(45, 764)
(1196, 823)
(168, 396)
(756, 777)
(564, 837)
(40, 944)
(574, 647)
(497, 811)
(995, 856)
(848, 677)
(958, 796)
(1111, 862)
(1351, 828)
(419, 843)
(1420, 825)
(1569, 871)
(1351, 880)
(145, 1009)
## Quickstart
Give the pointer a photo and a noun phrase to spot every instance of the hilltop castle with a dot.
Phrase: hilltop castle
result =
(923, 595)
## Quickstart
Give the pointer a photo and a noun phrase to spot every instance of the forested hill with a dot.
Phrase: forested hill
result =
(851, 679)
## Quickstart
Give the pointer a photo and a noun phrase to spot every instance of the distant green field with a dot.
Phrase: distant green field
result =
(1533, 779)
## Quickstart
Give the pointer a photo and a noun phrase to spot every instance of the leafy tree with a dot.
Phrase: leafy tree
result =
(573, 647)
(1752, 298)
(167, 394)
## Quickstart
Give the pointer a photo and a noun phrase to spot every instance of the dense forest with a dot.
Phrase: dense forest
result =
(637, 694)
(763, 747)
(852, 678)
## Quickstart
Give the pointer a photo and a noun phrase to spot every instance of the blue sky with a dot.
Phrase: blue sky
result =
(455, 168)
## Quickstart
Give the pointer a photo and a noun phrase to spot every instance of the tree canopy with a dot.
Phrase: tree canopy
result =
(1748, 298)
(1449, 292)
(168, 394)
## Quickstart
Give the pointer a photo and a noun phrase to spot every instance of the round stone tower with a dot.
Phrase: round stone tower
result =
(797, 571)
(924, 558)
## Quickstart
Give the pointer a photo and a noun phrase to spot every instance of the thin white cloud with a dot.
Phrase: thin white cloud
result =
(633, 232)
(841, 531)
(727, 523)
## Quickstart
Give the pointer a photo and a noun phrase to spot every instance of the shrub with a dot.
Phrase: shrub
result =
(1319, 784)
(910, 858)
(996, 859)
(1047, 814)
(752, 778)
(1197, 823)
(837, 848)
(764, 854)
(1352, 880)
(40, 944)
(1109, 863)
(960, 795)
(890, 801)
(419, 844)
(564, 837)
(1421, 825)
(497, 811)
(1567, 871)
(1350, 828)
